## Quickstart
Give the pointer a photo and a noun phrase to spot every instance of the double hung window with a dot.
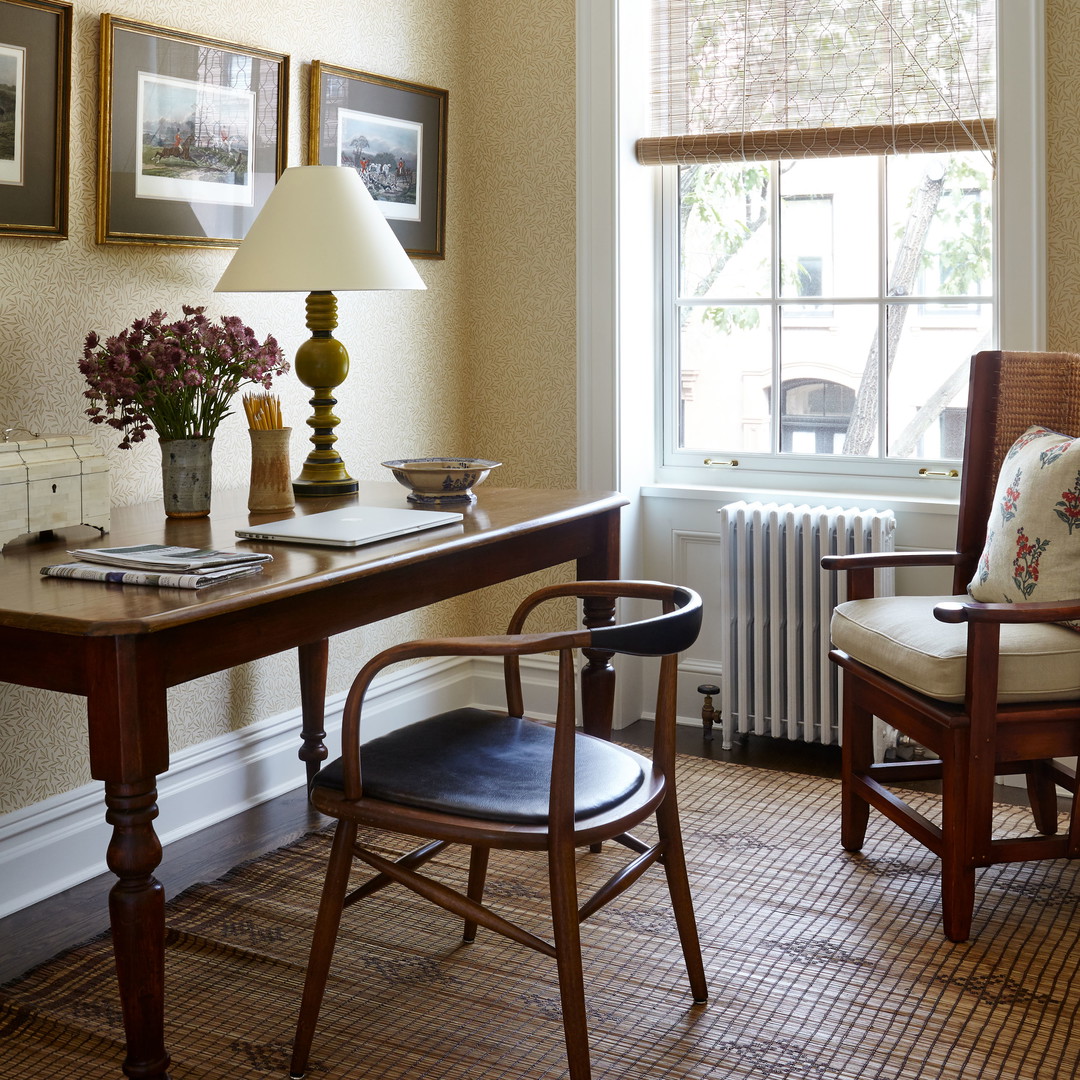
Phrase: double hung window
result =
(828, 216)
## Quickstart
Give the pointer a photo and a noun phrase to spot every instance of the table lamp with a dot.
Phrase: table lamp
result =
(320, 232)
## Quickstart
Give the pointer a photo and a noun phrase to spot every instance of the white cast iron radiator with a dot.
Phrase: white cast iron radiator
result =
(775, 606)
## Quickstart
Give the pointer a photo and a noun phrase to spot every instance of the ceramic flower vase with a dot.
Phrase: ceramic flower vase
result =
(185, 476)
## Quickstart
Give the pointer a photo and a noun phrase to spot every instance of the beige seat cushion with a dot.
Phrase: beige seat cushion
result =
(899, 636)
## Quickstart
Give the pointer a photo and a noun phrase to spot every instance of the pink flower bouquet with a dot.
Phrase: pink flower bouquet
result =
(178, 378)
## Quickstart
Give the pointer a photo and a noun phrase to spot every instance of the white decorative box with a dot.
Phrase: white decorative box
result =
(52, 482)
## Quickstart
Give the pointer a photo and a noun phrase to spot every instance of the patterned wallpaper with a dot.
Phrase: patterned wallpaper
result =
(1063, 175)
(521, 322)
(482, 363)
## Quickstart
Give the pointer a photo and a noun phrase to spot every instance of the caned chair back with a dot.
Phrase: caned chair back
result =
(1008, 392)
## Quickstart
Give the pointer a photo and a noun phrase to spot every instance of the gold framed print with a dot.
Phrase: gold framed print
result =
(35, 98)
(393, 134)
(192, 135)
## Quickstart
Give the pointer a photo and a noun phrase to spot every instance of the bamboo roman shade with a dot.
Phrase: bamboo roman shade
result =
(766, 79)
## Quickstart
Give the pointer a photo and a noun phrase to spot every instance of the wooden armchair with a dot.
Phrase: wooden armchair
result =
(990, 688)
(498, 780)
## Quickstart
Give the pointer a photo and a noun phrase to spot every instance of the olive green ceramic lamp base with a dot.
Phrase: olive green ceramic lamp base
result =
(322, 363)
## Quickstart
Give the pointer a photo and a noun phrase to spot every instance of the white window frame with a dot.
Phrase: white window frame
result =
(688, 464)
(616, 275)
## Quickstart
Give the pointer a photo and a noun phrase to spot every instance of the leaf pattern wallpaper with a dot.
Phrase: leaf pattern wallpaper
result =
(482, 363)
(1063, 177)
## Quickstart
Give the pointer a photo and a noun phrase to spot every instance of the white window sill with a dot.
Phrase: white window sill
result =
(719, 494)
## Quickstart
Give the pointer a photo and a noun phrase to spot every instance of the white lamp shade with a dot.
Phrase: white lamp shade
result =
(319, 230)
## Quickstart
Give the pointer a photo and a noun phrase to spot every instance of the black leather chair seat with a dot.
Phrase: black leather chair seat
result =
(479, 764)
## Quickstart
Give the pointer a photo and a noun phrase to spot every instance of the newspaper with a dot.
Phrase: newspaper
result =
(170, 559)
(118, 576)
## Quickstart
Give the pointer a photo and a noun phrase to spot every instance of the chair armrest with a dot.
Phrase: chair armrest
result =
(1042, 611)
(878, 560)
(860, 568)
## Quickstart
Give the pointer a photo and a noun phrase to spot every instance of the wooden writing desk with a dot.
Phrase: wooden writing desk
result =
(122, 646)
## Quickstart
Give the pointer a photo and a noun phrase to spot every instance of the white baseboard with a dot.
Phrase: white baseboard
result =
(61, 841)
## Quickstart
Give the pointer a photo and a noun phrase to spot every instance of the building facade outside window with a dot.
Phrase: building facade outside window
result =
(809, 271)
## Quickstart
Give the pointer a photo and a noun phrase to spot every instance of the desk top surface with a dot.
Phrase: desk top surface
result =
(30, 601)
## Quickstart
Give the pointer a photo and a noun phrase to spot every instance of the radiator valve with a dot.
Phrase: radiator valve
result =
(709, 714)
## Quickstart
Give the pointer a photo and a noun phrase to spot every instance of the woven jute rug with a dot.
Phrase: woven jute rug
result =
(821, 965)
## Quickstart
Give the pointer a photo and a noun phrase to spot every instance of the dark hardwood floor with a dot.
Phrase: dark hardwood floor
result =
(33, 935)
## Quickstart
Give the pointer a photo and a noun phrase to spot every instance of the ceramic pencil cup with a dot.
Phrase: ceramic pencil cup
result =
(271, 480)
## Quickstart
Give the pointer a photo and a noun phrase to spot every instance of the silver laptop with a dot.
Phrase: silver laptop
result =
(350, 526)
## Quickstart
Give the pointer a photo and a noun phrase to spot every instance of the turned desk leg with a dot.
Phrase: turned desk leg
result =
(598, 675)
(137, 915)
(313, 658)
(127, 716)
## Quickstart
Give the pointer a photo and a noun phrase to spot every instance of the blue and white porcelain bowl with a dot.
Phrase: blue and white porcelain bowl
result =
(440, 481)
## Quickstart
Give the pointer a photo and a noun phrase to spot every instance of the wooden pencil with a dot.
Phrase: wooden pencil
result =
(263, 411)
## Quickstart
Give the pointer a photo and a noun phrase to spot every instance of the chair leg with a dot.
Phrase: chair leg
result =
(857, 755)
(958, 843)
(682, 903)
(478, 862)
(322, 944)
(957, 899)
(567, 934)
(1042, 794)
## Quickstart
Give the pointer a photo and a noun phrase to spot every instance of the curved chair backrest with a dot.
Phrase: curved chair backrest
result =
(673, 631)
(662, 635)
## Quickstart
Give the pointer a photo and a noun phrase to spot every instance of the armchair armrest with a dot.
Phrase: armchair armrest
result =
(860, 568)
(881, 559)
(1042, 611)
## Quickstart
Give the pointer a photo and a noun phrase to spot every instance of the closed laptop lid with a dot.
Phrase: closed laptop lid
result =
(350, 526)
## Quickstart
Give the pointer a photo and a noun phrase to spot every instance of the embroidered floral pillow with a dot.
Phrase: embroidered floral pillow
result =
(1032, 547)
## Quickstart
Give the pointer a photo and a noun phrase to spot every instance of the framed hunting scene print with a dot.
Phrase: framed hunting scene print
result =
(192, 135)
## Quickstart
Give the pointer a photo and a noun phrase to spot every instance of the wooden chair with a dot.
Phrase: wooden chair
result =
(499, 780)
(989, 688)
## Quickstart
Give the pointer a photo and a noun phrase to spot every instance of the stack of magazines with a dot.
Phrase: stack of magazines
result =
(157, 564)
